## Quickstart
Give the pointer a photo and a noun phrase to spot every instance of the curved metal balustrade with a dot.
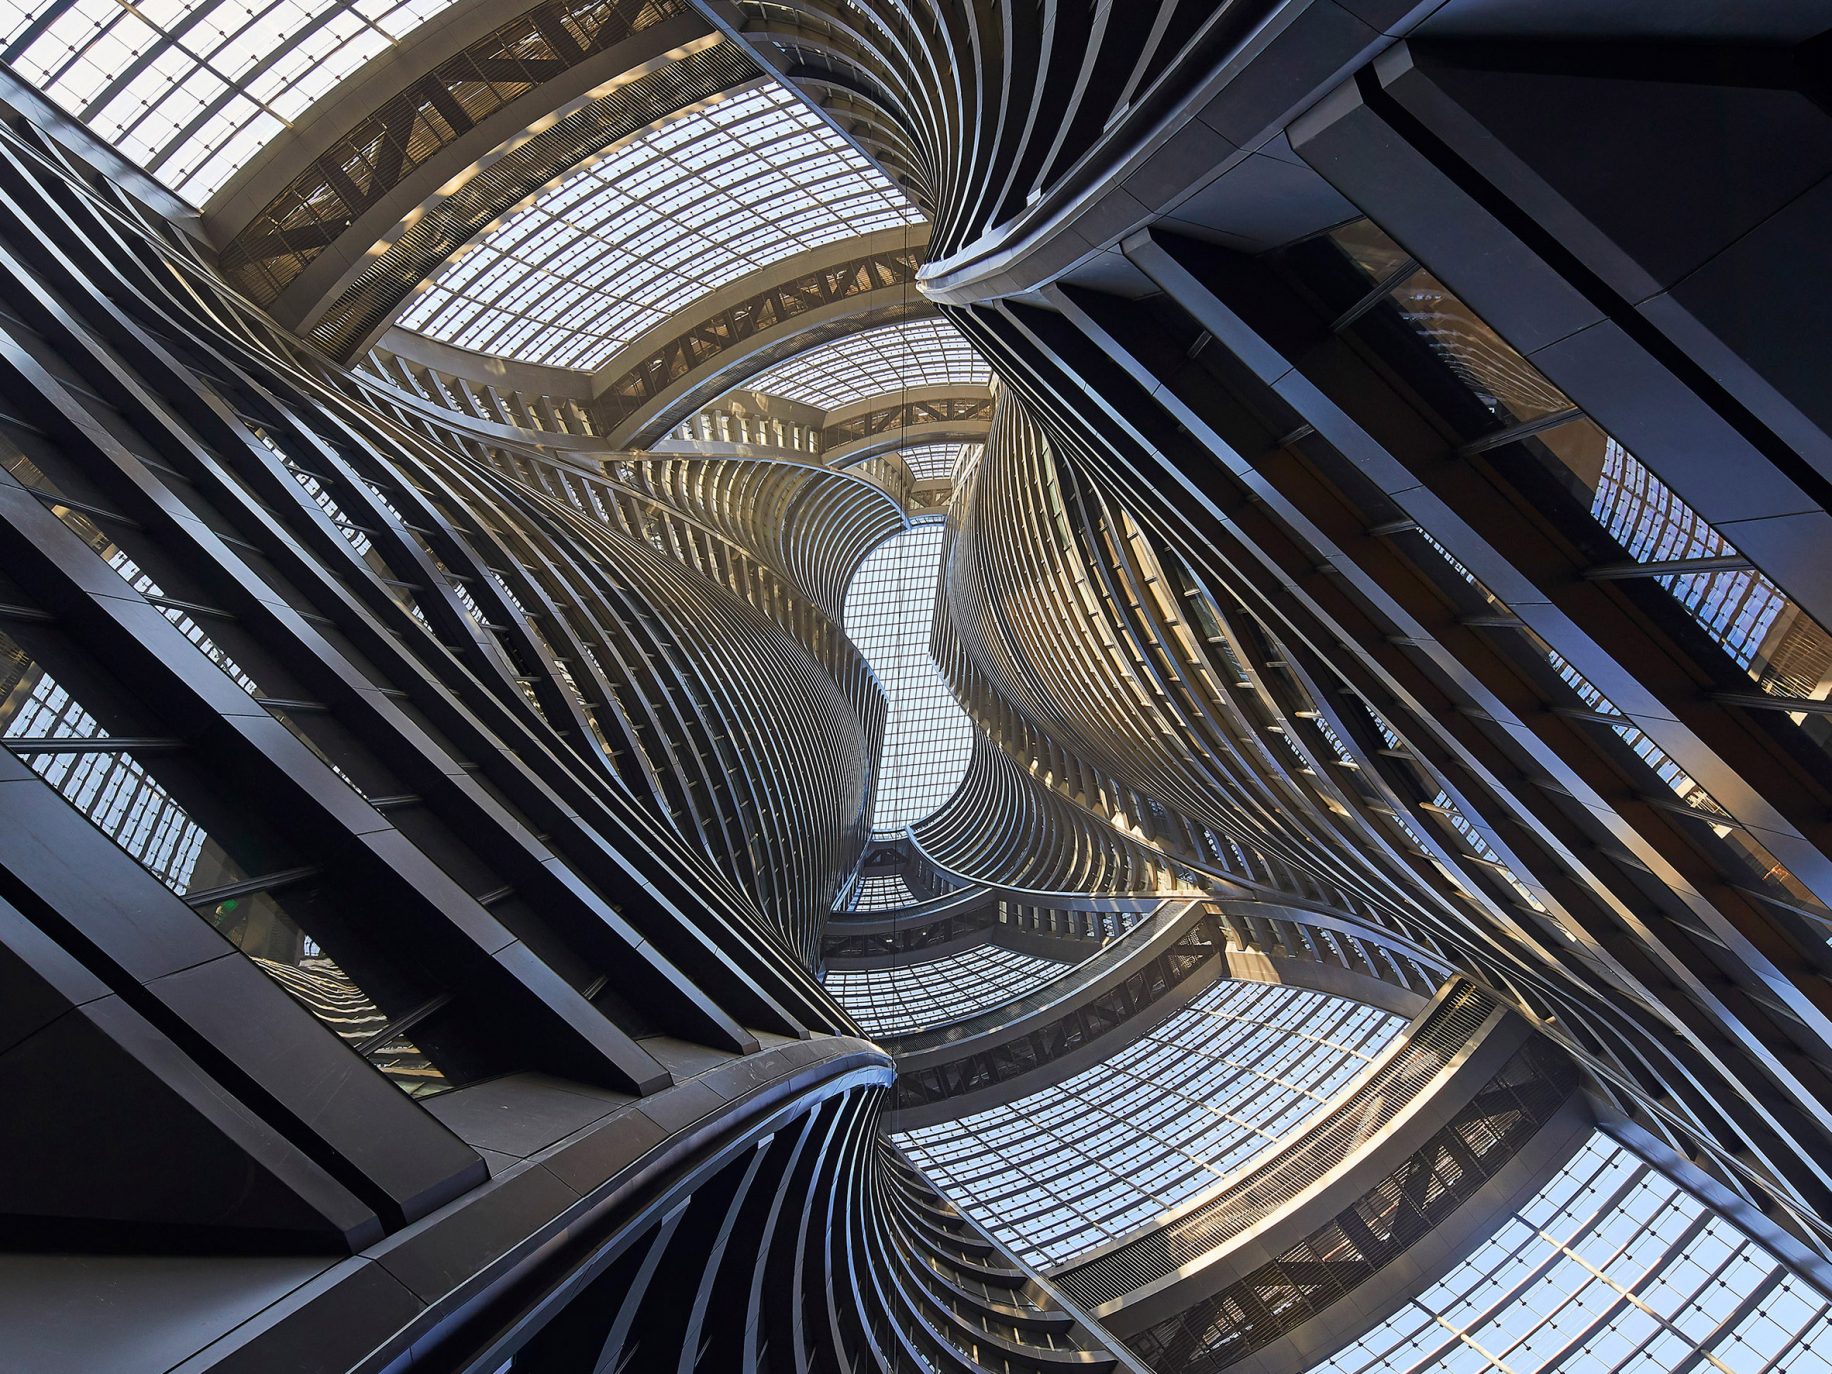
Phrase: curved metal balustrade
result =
(999, 113)
(1322, 449)
(1191, 730)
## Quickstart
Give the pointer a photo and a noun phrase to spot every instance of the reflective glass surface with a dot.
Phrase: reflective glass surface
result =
(65, 744)
(1757, 625)
(266, 927)
(110, 787)
(616, 246)
(1506, 383)
(876, 362)
(1767, 634)
(890, 611)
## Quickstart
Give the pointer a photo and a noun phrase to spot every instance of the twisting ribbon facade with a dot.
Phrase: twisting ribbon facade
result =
(827, 686)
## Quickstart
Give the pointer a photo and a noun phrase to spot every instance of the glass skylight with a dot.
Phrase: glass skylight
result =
(874, 362)
(890, 610)
(191, 89)
(613, 248)
(881, 892)
(1611, 1267)
(929, 462)
(898, 998)
(1197, 1099)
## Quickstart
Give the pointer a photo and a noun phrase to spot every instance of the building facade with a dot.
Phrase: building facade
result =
(847, 685)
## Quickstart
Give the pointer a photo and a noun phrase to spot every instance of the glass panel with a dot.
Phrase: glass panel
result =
(1200, 1098)
(111, 788)
(1370, 249)
(890, 613)
(1508, 385)
(115, 792)
(260, 925)
(191, 89)
(122, 564)
(1747, 860)
(876, 362)
(1784, 651)
(121, 799)
(881, 892)
(898, 998)
(619, 245)
(932, 462)
(1611, 1266)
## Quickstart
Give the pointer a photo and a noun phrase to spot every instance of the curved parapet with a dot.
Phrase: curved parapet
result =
(677, 606)
(1069, 618)
(1003, 113)
(814, 527)
(1389, 367)
(1383, 534)
(758, 709)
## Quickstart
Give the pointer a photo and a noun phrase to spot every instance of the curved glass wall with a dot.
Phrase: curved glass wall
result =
(1201, 1097)
(191, 91)
(899, 998)
(928, 739)
(1611, 1268)
(621, 243)
(876, 362)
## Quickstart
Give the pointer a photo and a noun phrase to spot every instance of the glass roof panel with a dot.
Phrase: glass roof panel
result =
(192, 90)
(1192, 1102)
(617, 245)
(925, 352)
(931, 462)
(890, 610)
(881, 892)
(898, 998)
(1610, 1266)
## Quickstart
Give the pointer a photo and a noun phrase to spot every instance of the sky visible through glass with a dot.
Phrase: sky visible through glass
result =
(890, 611)
(1199, 1099)
(1610, 1267)
(191, 91)
(877, 362)
(894, 1000)
(619, 245)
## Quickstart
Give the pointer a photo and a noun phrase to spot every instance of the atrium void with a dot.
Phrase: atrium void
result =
(915, 687)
